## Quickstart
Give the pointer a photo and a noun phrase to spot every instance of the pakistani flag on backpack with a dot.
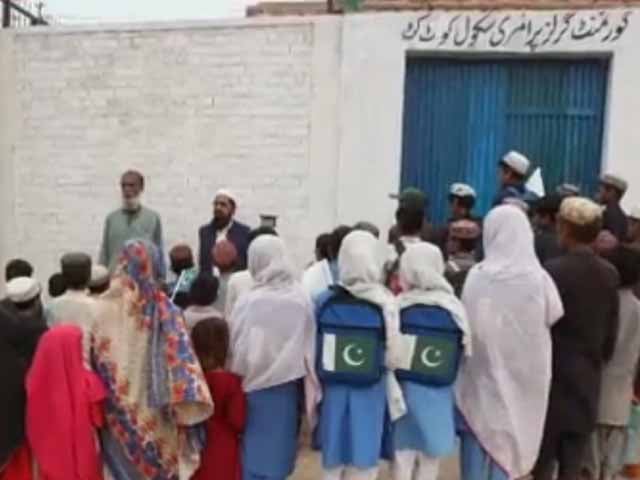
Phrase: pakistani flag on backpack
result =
(350, 340)
(433, 343)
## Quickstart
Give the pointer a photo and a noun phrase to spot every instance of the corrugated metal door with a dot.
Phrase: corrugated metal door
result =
(461, 116)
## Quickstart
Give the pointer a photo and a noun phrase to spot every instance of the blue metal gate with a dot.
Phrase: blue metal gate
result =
(461, 116)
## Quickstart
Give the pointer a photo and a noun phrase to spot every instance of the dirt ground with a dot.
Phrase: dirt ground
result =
(308, 468)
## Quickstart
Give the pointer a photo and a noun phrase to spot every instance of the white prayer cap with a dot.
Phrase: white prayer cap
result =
(462, 190)
(635, 213)
(568, 189)
(580, 211)
(516, 162)
(615, 181)
(99, 275)
(22, 289)
(225, 192)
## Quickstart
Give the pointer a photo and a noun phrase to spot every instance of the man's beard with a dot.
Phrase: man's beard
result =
(220, 222)
(132, 204)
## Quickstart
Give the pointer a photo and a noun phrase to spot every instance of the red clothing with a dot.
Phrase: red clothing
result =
(221, 457)
(19, 466)
(64, 402)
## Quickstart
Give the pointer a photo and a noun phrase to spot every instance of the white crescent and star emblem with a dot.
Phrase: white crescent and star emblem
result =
(347, 355)
(431, 362)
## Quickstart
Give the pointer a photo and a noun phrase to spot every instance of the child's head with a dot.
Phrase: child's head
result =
(627, 262)
(181, 258)
(76, 270)
(204, 290)
(225, 256)
(57, 285)
(210, 339)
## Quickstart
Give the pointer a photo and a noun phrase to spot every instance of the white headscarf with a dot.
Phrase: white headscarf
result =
(508, 244)
(361, 274)
(269, 264)
(422, 276)
(511, 304)
(272, 326)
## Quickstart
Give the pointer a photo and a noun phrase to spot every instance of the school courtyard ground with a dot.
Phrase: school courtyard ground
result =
(308, 468)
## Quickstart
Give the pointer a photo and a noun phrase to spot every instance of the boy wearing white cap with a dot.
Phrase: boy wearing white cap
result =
(23, 297)
(223, 226)
(612, 189)
(513, 169)
(462, 199)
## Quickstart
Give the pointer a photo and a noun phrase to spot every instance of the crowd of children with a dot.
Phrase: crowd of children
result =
(390, 354)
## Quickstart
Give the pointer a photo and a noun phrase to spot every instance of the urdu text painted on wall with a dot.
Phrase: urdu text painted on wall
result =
(500, 29)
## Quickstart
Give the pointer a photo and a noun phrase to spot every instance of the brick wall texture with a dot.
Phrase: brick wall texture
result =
(194, 110)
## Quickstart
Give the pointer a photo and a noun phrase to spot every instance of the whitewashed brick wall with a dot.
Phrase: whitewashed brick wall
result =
(195, 109)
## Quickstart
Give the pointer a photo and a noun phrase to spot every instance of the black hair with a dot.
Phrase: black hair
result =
(627, 261)
(585, 234)
(134, 173)
(100, 289)
(210, 338)
(367, 227)
(204, 289)
(466, 201)
(27, 304)
(181, 258)
(337, 236)
(76, 271)
(517, 175)
(264, 230)
(549, 204)
(57, 285)
(323, 245)
(17, 268)
(410, 220)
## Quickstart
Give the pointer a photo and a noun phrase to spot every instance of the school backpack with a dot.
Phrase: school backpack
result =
(351, 340)
(436, 345)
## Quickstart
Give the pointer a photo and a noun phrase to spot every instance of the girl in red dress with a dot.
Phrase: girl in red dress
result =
(221, 457)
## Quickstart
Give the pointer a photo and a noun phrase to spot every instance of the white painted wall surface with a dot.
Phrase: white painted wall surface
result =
(195, 109)
(302, 117)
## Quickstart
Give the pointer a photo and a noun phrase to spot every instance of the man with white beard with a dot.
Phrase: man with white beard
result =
(131, 221)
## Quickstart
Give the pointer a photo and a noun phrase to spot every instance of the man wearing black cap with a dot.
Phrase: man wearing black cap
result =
(546, 237)
(412, 210)
(411, 227)
(612, 189)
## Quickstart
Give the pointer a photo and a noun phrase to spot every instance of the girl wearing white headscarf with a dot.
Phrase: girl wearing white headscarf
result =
(272, 349)
(427, 433)
(503, 389)
(352, 419)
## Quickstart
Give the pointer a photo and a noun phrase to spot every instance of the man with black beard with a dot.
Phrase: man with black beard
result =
(223, 226)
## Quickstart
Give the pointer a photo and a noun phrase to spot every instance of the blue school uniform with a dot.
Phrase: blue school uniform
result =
(351, 425)
(475, 462)
(429, 425)
(352, 420)
(270, 441)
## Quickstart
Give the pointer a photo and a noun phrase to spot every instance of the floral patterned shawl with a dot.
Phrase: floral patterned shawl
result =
(156, 388)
